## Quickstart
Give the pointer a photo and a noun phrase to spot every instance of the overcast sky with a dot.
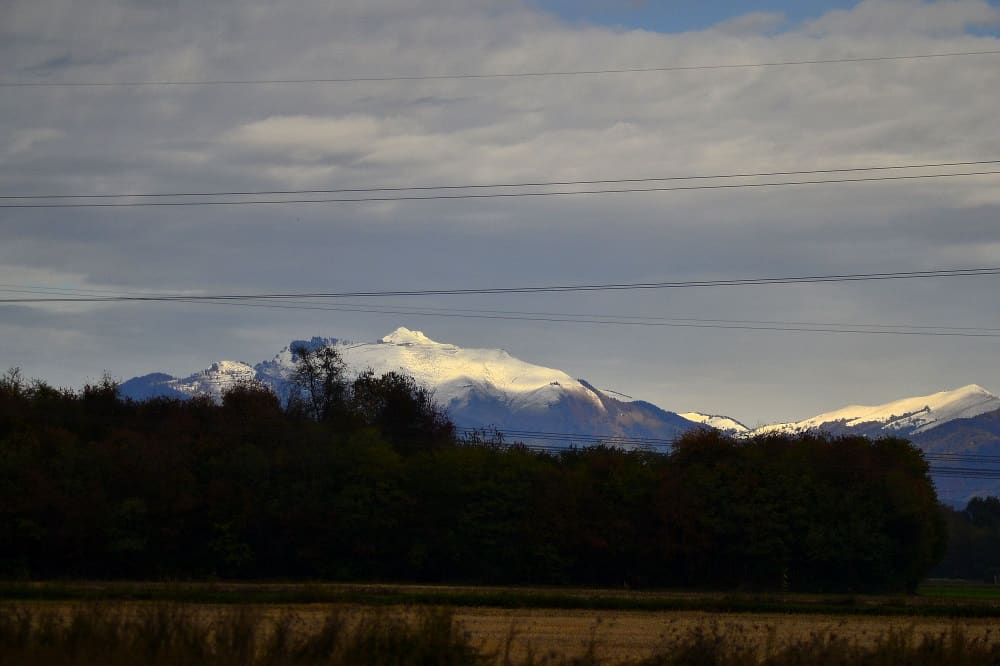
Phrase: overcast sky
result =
(163, 139)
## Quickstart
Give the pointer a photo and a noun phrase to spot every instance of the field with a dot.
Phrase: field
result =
(938, 598)
(961, 590)
(634, 635)
(500, 625)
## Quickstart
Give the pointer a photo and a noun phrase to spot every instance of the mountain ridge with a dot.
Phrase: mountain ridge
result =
(480, 388)
(491, 389)
(904, 416)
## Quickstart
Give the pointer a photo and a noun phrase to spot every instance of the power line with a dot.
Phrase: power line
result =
(653, 445)
(965, 473)
(962, 457)
(513, 434)
(530, 439)
(294, 302)
(501, 195)
(577, 318)
(625, 319)
(934, 471)
(567, 437)
(609, 437)
(814, 328)
(495, 75)
(627, 286)
(589, 318)
(494, 185)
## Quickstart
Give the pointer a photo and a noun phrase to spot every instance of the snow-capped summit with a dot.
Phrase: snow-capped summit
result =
(404, 336)
(723, 423)
(487, 388)
(212, 382)
(478, 387)
(907, 416)
(456, 375)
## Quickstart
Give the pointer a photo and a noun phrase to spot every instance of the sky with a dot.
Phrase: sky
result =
(676, 17)
(101, 140)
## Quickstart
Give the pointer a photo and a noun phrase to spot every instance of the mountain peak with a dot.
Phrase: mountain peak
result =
(404, 336)
(905, 416)
(719, 422)
(972, 389)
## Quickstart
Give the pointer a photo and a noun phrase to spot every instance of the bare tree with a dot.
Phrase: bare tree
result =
(318, 381)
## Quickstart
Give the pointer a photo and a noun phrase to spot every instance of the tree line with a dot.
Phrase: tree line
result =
(367, 480)
(973, 541)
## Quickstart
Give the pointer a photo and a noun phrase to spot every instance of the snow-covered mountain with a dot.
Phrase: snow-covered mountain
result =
(478, 387)
(490, 388)
(950, 426)
(724, 423)
(909, 416)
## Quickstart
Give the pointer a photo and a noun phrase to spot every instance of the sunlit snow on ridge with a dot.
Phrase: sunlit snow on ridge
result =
(489, 386)
(724, 423)
(215, 380)
(479, 388)
(451, 371)
(912, 415)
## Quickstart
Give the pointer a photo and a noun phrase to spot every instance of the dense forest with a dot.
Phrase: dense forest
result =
(367, 480)
(973, 541)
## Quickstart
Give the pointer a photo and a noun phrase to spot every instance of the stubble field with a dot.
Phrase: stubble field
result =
(948, 623)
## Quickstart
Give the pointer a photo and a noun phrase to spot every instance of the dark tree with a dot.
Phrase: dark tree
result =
(402, 410)
(319, 385)
(973, 541)
(370, 483)
(984, 512)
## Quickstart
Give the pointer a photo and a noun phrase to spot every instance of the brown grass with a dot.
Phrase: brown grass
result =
(161, 634)
(631, 635)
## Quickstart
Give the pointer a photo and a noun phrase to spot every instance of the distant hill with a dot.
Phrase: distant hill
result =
(544, 406)
(478, 387)
(949, 425)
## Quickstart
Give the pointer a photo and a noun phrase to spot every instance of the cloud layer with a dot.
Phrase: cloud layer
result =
(297, 136)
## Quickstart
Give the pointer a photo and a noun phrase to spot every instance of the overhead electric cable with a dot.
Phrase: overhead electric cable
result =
(962, 457)
(626, 319)
(531, 440)
(560, 436)
(500, 195)
(578, 318)
(493, 75)
(554, 183)
(812, 328)
(627, 286)
(513, 434)
(939, 472)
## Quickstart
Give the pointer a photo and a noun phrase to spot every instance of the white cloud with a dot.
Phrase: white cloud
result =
(906, 17)
(753, 23)
(308, 138)
(237, 138)
(24, 140)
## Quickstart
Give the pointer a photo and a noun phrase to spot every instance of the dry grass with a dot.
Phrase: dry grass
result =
(170, 635)
(167, 634)
(630, 635)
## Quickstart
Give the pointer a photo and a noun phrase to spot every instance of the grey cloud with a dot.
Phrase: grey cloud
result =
(753, 23)
(504, 130)
(888, 17)
(65, 61)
